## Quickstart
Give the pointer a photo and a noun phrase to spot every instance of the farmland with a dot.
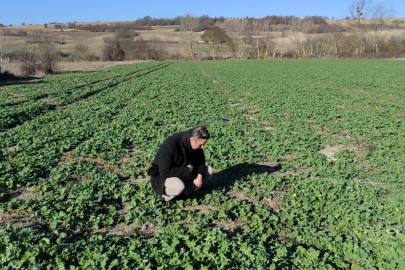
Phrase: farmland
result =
(309, 160)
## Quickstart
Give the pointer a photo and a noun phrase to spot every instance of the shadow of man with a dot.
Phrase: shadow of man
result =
(227, 177)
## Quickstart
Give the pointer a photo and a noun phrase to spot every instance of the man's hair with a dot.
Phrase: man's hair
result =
(200, 132)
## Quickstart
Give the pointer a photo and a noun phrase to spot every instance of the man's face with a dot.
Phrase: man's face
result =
(197, 144)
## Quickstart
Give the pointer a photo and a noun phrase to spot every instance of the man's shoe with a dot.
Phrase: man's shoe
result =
(181, 197)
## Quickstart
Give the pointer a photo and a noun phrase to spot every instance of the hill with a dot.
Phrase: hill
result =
(252, 38)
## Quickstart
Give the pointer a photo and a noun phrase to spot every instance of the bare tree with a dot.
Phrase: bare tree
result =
(257, 26)
(81, 51)
(48, 57)
(379, 15)
(366, 14)
(236, 29)
(217, 38)
(306, 26)
(35, 36)
(336, 38)
(296, 36)
(316, 46)
(29, 63)
(359, 11)
(188, 24)
(268, 39)
(159, 49)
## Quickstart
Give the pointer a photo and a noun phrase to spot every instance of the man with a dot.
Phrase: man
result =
(179, 166)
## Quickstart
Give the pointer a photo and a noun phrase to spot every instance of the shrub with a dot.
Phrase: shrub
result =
(106, 53)
(92, 57)
(29, 63)
(44, 59)
(80, 51)
(118, 54)
(125, 34)
(48, 57)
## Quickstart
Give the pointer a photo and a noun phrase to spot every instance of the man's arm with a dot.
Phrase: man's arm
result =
(198, 181)
(200, 163)
(200, 170)
(166, 168)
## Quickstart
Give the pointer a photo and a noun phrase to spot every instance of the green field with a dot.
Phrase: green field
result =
(309, 158)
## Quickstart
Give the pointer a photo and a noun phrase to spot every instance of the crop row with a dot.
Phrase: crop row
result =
(11, 116)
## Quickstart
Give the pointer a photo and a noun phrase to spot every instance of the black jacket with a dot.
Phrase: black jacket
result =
(172, 159)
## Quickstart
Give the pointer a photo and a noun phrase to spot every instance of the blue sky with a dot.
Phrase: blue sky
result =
(16, 12)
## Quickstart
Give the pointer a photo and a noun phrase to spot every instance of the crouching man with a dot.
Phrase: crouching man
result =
(179, 166)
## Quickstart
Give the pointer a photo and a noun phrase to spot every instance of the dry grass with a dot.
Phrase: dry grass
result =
(95, 40)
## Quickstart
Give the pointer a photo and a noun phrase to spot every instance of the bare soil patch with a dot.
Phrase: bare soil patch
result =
(274, 202)
(101, 163)
(132, 153)
(147, 230)
(119, 229)
(201, 209)
(24, 193)
(329, 151)
(371, 182)
(252, 118)
(282, 237)
(11, 148)
(230, 228)
(138, 181)
(18, 219)
(123, 209)
(242, 196)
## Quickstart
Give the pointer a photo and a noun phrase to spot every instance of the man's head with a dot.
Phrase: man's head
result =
(199, 136)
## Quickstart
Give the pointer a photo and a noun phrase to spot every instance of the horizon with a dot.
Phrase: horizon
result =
(40, 12)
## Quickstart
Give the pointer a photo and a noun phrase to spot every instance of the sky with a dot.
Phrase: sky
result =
(16, 12)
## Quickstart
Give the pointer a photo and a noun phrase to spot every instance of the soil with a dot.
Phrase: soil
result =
(330, 151)
(18, 219)
(66, 67)
(24, 193)
(202, 208)
(371, 182)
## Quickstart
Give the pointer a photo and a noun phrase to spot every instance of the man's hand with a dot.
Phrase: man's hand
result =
(198, 182)
(191, 167)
